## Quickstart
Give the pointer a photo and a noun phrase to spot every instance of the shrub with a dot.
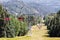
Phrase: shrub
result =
(54, 26)
(3, 22)
(21, 27)
(10, 26)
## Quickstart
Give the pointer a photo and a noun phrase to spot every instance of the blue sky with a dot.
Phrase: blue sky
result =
(4, 0)
(55, 3)
(43, 2)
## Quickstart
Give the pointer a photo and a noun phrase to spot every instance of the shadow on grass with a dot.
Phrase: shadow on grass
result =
(45, 35)
(50, 36)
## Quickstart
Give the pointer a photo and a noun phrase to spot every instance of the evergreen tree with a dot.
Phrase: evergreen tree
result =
(54, 26)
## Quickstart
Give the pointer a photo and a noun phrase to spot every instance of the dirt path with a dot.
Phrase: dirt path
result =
(40, 34)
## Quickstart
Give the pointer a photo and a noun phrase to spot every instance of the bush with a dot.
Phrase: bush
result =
(3, 22)
(23, 29)
(10, 26)
(20, 27)
(54, 26)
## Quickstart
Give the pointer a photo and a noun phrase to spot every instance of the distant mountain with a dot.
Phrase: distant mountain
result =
(44, 9)
(19, 7)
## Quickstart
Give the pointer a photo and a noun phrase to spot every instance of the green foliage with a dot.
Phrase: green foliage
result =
(20, 28)
(12, 27)
(16, 24)
(10, 30)
(48, 21)
(39, 20)
(23, 29)
(3, 14)
(53, 24)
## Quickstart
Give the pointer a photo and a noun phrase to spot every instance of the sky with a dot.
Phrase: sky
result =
(43, 2)
(4, 0)
(55, 3)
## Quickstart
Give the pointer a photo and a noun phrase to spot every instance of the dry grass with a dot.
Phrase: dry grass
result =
(17, 38)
